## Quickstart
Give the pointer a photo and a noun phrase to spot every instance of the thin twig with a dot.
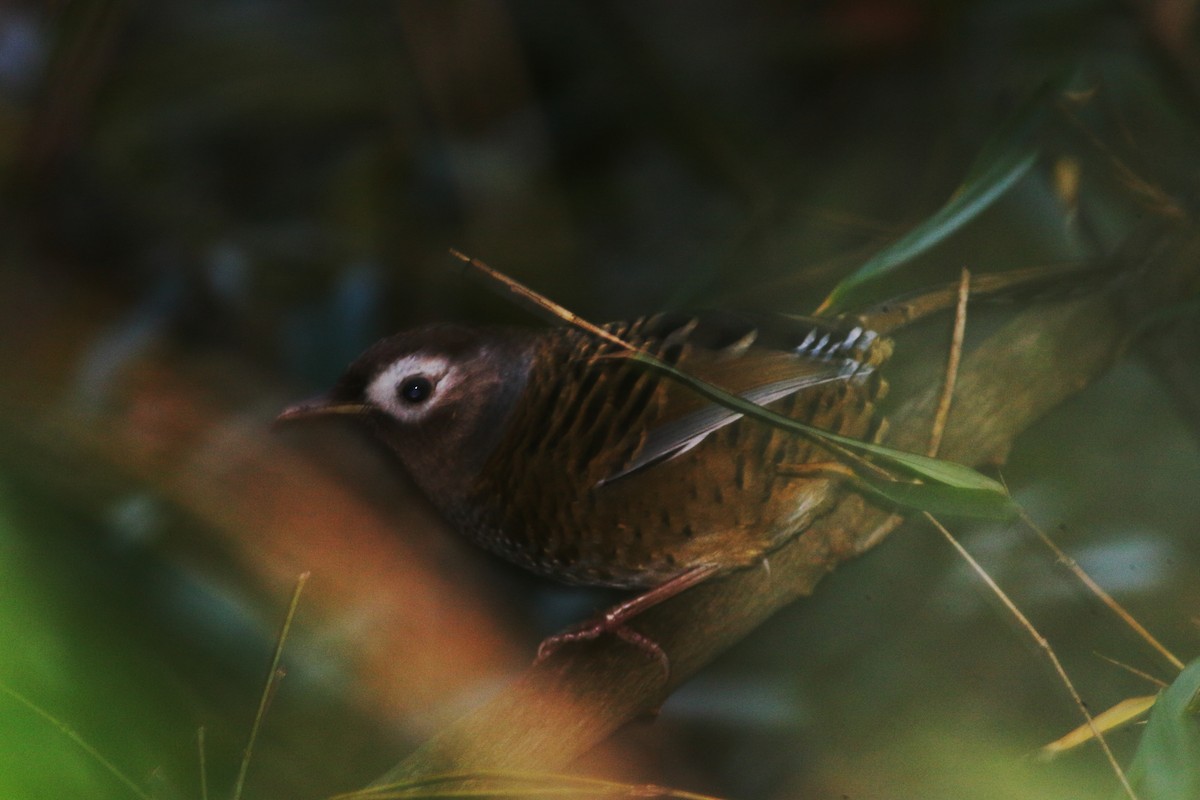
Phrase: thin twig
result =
(939, 425)
(542, 302)
(1146, 676)
(269, 690)
(1041, 643)
(956, 344)
(1159, 201)
(1104, 596)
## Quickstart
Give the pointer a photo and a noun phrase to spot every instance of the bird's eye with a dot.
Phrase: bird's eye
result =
(414, 389)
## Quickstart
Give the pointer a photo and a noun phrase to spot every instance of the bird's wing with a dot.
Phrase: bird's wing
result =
(818, 355)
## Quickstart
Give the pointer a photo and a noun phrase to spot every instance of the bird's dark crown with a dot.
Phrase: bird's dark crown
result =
(451, 341)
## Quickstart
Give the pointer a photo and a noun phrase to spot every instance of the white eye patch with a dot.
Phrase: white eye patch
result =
(383, 392)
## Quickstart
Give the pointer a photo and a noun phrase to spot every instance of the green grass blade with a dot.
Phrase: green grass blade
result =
(968, 201)
(1002, 162)
(942, 500)
(977, 494)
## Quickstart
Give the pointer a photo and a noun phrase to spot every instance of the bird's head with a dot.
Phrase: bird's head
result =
(439, 396)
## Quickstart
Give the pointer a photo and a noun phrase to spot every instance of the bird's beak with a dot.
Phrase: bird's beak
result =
(320, 406)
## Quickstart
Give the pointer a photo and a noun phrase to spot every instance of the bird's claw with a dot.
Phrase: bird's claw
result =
(594, 629)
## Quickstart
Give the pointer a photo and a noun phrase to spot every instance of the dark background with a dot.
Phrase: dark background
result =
(208, 208)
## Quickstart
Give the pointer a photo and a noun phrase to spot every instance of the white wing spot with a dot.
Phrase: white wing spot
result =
(850, 339)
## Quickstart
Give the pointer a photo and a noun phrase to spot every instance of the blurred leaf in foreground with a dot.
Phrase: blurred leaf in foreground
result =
(74, 668)
(1167, 763)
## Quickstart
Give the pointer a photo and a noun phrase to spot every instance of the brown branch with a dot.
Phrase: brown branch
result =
(559, 709)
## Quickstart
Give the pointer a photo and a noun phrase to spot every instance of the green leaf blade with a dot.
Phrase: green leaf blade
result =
(968, 202)
(1004, 160)
(1167, 763)
(977, 494)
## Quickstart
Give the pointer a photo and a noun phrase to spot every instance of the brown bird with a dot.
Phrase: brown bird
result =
(546, 449)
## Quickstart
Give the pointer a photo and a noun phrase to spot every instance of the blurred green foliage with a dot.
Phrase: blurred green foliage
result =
(76, 657)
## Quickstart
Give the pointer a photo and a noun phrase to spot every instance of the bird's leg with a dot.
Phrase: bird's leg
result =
(614, 619)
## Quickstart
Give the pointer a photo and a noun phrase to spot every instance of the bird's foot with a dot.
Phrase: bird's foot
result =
(594, 629)
(614, 621)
